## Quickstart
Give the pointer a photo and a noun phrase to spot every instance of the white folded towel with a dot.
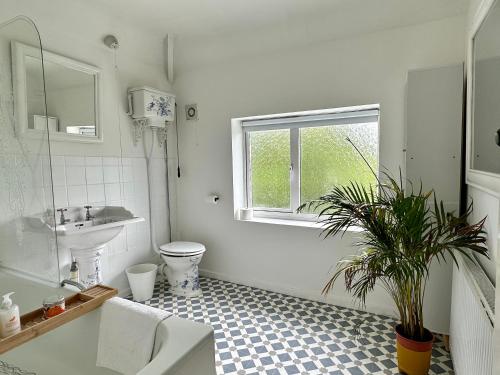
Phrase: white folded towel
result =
(127, 335)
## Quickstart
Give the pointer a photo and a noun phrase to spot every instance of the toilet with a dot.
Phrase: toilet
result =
(181, 267)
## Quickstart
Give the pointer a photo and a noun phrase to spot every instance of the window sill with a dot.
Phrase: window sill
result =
(293, 223)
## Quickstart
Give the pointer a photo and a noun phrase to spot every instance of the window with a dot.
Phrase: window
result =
(282, 161)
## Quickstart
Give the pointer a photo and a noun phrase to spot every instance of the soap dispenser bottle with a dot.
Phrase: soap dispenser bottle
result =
(9, 317)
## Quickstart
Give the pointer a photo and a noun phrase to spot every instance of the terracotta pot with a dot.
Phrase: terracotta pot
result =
(414, 357)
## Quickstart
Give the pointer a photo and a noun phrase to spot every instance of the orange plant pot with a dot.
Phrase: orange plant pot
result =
(414, 357)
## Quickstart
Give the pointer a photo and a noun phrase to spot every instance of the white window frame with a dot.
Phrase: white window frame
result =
(241, 127)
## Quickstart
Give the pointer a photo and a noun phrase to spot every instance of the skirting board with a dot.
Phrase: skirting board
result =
(310, 295)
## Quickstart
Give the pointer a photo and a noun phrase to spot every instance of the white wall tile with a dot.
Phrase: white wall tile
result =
(94, 175)
(77, 195)
(110, 161)
(58, 175)
(34, 200)
(75, 175)
(36, 172)
(60, 196)
(130, 205)
(127, 174)
(111, 174)
(128, 161)
(47, 196)
(93, 160)
(143, 234)
(141, 190)
(100, 181)
(57, 160)
(95, 193)
(112, 192)
(75, 160)
(128, 190)
(47, 181)
(140, 170)
(46, 177)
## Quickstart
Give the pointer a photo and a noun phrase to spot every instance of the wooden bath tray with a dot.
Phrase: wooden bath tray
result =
(33, 324)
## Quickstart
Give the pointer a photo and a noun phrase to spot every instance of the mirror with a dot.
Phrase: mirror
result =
(485, 152)
(72, 95)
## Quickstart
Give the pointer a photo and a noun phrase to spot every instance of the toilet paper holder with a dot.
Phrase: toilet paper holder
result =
(213, 199)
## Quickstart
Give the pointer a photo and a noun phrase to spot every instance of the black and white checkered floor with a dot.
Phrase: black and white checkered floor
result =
(262, 332)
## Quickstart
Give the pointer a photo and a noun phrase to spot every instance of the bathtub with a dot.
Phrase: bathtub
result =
(182, 347)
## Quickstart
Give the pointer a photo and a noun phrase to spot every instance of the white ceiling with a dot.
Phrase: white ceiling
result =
(193, 19)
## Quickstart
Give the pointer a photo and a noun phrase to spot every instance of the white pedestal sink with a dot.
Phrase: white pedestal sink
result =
(86, 239)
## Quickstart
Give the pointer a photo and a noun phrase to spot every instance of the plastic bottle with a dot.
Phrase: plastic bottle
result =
(9, 317)
(74, 272)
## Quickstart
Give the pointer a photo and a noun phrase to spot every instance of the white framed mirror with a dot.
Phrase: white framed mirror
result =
(72, 95)
(483, 99)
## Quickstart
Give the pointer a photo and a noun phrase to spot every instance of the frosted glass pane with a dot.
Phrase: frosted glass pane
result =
(270, 168)
(26, 194)
(328, 159)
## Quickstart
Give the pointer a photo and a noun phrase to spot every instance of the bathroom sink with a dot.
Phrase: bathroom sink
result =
(106, 224)
(92, 233)
(85, 239)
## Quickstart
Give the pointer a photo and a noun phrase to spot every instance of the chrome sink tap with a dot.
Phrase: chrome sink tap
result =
(88, 216)
(62, 219)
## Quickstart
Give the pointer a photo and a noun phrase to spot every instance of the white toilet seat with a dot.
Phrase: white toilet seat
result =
(185, 255)
(182, 249)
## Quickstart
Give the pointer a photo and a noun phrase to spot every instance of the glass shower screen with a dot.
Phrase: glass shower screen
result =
(27, 244)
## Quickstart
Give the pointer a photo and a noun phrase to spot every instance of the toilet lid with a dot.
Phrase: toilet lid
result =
(182, 248)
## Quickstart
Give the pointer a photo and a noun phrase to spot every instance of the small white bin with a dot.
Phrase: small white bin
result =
(141, 278)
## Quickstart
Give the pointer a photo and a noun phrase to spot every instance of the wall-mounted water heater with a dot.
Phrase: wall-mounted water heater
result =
(149, 107)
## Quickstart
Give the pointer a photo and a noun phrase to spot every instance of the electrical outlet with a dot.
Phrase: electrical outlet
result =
(191, 112)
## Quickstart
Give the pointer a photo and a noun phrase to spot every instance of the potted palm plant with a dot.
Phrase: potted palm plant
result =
(402, 233)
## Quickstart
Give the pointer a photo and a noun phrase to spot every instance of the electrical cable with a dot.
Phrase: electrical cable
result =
(177, 141)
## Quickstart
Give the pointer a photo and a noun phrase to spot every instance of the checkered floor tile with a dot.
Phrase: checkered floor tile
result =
(262, 332)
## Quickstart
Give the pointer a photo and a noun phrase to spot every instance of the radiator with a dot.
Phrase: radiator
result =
(472, 314)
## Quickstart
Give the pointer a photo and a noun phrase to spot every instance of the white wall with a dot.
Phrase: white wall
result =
(77, 31)
(357, 70)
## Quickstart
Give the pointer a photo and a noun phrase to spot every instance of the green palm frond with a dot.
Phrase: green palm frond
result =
(402, 233)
